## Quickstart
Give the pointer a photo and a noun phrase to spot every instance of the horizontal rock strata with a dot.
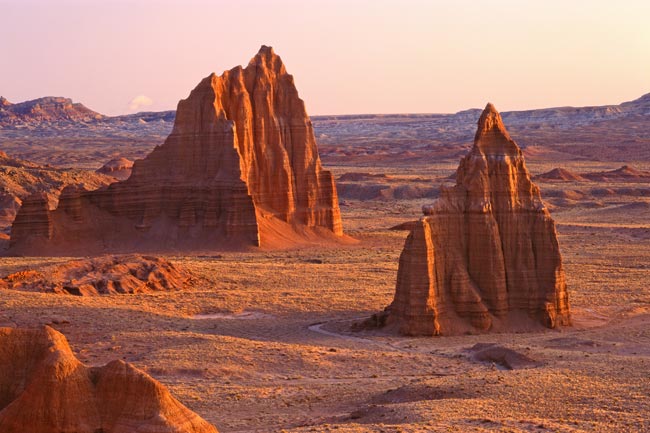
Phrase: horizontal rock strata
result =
(241, 167)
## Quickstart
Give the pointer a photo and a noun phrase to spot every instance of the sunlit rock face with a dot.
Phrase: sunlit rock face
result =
(45, 389)
(241, 167)
(485, 256)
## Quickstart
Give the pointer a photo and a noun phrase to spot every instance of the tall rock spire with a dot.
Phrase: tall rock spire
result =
(485, 256)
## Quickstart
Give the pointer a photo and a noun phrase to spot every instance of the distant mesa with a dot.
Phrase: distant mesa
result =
(45, 389)
(119, 168)
(104, 275)
(560, 174)
(48, 109)
(240, 168)
(485, 256)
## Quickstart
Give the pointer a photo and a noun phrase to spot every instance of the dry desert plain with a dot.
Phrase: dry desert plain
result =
(261, 342)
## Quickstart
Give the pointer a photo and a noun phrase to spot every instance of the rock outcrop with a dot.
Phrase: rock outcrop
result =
(241, 167)
(45, 389)
(485, 256)
(103, 275)
(19, 179)
(119, 168)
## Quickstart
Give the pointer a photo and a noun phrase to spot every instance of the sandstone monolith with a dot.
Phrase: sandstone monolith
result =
(485, 256)
(241, 167)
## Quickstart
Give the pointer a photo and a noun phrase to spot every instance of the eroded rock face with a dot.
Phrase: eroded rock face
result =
(485, 256)
(240, 166)
(45, 389)
(106, 275)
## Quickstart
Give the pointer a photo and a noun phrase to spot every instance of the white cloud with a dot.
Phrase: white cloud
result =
(140, 102)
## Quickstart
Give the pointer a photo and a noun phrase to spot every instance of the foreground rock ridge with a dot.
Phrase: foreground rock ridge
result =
(485, 256)
(104, 275)
(45, 389)
(241, 166)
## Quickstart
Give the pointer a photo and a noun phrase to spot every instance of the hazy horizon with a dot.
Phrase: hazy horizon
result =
(356, 57)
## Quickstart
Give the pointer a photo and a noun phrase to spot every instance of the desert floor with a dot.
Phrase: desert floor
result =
(261, 343)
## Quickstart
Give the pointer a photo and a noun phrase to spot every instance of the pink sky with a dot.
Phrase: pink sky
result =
(353, 56)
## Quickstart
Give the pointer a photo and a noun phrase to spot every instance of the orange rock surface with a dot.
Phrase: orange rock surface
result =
(240, 167)
(45, 389)
(485, 256)
(105, 275)
(119, 168)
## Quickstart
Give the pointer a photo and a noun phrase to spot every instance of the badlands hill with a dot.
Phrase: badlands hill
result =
(560, 174)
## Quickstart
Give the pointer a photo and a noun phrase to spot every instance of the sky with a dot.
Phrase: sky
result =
(347, 56)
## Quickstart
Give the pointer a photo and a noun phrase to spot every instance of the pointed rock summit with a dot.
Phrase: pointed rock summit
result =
(241, 167)
(485, 256)
(45, 389)
(491, 136)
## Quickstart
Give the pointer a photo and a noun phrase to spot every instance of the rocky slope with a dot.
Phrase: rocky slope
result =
(485, 256)
(105, 275)
(45, 389)
(240, 168)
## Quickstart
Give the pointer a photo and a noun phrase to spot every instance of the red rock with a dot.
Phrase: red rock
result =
(45, 389)
(119, 168)
(101, 275)
(34, 219)
(485, 256)
(240, 167)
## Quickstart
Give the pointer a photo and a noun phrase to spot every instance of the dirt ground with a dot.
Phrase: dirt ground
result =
(262, 342)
